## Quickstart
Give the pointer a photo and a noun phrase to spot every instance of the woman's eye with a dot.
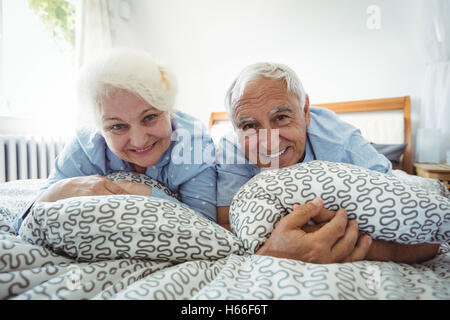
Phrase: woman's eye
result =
(117, 127)
(150, 117)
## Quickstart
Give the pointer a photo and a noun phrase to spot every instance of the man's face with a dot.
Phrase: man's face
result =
(271, 124)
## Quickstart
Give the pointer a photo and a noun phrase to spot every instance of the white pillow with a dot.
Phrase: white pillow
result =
(385, 207)
(98, 228)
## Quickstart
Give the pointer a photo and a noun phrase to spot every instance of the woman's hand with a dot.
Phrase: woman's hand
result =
(337, 240)
(134, 188)
(95, 185)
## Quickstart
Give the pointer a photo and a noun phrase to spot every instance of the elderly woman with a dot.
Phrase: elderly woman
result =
(132, 99)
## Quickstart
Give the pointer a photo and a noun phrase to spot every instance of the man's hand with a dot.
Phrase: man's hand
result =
(383, 250)
(337, 240)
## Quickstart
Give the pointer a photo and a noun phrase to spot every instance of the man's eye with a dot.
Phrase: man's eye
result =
(280, 117)
(248, 126)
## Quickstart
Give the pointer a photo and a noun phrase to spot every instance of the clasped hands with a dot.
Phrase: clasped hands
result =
(334, 239)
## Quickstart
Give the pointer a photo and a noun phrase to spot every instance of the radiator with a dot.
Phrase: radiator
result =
(23, 157)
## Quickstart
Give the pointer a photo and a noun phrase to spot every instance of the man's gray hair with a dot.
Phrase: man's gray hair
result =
(263, 69)
(126, 69)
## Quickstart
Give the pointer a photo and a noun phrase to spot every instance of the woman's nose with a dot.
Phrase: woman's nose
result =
(139, 137)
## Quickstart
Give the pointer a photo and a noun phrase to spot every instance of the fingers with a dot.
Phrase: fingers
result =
(324, 216)
(113, 188)
(333, 230)
(361, 250)
(135, 188)
(104, 186)
(302, 214)
(346, 245)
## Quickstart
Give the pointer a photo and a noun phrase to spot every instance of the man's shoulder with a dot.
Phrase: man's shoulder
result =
(326, 125)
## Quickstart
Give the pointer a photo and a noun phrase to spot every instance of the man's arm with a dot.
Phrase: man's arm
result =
(223, 217)
(377, 251)
(401, 253)
(389, 251)
(338, 241)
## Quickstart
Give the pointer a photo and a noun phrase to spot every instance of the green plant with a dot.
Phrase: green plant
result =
(58, 16)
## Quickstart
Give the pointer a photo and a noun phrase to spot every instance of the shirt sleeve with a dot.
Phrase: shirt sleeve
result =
(230, 178)
(199, 192)
(157, 193)
(71, 162)
(362, 153)
(233, 170)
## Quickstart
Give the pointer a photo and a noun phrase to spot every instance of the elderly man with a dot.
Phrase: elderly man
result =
(274, 126)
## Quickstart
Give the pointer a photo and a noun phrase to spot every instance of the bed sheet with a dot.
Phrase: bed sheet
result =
(33, 272)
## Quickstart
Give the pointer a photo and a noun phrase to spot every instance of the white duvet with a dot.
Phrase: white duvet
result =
(33, 272)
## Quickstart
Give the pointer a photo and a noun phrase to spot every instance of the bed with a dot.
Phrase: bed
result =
(188, 257)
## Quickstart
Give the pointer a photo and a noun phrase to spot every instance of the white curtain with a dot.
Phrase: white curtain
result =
(93, 29)
(434, 122)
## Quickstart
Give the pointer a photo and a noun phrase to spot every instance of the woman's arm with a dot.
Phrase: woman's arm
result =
(199, 192)
(94, 185)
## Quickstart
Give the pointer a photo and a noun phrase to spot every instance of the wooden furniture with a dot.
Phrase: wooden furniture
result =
(400, 103)
(434, 171)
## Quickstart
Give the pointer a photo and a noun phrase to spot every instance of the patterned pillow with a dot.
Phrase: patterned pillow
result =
(98, 228)
(142, 179)
(385, 207)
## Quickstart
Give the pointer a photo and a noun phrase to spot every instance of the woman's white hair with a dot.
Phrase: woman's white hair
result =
(126, 69)
(256, 71)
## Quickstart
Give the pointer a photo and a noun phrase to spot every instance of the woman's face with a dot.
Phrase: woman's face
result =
(134, 130)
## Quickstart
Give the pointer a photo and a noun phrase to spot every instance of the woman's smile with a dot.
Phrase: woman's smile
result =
(144, 151)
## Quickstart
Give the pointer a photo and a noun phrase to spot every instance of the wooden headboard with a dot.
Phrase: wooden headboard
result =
(386, 104)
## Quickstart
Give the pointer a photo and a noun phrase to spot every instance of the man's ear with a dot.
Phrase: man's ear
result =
(306, 111)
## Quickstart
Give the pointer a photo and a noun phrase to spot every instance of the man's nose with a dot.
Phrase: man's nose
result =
(268, 138)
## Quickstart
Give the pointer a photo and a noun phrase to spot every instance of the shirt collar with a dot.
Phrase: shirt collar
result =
(308, 153)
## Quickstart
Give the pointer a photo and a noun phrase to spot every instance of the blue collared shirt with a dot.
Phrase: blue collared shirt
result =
(191, 173)
(331, 139)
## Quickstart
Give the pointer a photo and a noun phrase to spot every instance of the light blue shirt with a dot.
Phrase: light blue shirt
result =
(194, 180)
(331, 139)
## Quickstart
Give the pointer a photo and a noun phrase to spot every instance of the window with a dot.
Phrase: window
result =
(37, 64)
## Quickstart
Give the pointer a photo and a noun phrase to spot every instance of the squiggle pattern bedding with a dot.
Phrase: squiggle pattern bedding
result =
(33, 272)
(385, 206)
(126, 226)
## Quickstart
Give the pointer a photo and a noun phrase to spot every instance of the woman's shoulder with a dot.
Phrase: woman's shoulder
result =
(88, 141)
(181, 120)
(88, 136)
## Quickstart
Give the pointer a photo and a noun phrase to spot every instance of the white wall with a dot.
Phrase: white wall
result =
(327, 42)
